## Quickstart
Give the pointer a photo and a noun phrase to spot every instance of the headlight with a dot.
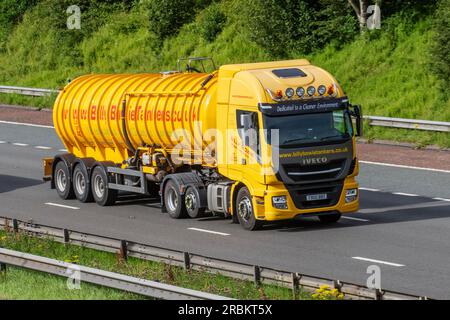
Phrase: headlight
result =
(279, 202)
(311, 90)
(322, 90)
(289, 92)
(351, 195)
(300, 92)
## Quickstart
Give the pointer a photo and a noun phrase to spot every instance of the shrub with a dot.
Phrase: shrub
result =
(212, 21)
(440, 50)
(168, 16)
(11, 11)
(299, 26)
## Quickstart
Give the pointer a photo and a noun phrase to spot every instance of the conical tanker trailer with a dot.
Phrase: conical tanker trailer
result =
(253, 142)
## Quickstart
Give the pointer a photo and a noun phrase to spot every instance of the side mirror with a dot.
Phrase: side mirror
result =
(246, 121)
(357, 113)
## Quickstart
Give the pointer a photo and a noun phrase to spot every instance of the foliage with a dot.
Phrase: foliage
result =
(11, 12)
(166, 17)
(212, 22)
(399, 70)
(440, 50)
(326, 293)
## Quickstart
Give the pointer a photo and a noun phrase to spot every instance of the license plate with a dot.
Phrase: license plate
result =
(315, 197)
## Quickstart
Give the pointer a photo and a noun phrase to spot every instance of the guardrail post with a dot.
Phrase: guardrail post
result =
(294, 284)
(257, 275)
(123, 250)
(337, 284)
(2, 267)
(15, 226)
(186, 260)
(66, 236)
(378, 294)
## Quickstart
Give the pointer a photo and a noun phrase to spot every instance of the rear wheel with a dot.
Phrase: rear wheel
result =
(173, 201)
(62, 181)
(103, 195)
(81, 185)
(330, 218)
(192, 203)
(245, 212)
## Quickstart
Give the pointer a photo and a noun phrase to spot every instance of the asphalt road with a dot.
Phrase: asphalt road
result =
(407, 233)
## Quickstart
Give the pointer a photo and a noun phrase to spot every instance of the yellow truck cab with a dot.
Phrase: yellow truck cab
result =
(259, 141)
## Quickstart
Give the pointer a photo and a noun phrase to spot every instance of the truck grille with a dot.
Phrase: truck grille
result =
(299, 194)
(316, 172)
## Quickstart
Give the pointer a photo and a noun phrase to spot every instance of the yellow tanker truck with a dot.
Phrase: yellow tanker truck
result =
(253, 142)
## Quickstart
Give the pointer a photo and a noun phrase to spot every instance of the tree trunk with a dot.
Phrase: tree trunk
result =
(363, 4)
(360, 8)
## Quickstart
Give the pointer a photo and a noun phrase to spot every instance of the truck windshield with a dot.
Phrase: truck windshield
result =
(314, 128)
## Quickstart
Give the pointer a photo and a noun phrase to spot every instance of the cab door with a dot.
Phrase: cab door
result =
(244, 157)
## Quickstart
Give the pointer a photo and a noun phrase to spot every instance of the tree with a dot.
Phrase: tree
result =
(440, 49)
(360, 8)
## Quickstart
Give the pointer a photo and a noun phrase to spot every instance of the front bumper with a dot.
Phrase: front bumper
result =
(265, 210)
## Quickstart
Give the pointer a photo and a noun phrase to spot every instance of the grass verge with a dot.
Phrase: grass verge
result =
(24, 284)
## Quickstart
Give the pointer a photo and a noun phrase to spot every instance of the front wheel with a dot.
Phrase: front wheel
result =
(245, 212)
(330, 218)
(103, 195)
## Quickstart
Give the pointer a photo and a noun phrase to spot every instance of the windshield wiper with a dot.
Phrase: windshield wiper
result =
(293, 140)
(338, 137)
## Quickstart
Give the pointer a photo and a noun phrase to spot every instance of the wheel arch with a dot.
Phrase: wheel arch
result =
(182, 181)
(87, 163)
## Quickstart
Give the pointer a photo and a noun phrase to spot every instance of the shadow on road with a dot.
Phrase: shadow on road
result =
(11, 183)
(376, 218)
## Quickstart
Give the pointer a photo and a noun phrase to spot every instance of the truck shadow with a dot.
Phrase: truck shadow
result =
(125, 199)
(406, 215)
(10, 183)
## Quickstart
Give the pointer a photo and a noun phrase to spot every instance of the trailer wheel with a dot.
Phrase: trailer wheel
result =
(245, 212)
(173, 201)
(63, 185)
(81, 184)
(330, 218)
(100, 191)
(192, 203)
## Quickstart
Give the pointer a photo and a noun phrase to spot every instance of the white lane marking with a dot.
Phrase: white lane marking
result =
(369, 189)
(2, 142)
(403, 166)
(442, 199)
(20, 144)
(356, 219)
(379, 261)
(62, 150)
(27, 124)
(42, 148)
(405, 194)
(209, 231)
(61, 206)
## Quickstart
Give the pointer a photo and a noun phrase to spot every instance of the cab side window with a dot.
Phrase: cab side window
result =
(248, 129)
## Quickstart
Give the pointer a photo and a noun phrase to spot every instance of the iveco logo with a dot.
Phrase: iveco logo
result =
(309, 161)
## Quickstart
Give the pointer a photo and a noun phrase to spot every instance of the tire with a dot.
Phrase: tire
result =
(174, 201)
(245, 212)
(62, 179)
(330, 218)
(192, 203)
(103, 196)
(81, 184)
